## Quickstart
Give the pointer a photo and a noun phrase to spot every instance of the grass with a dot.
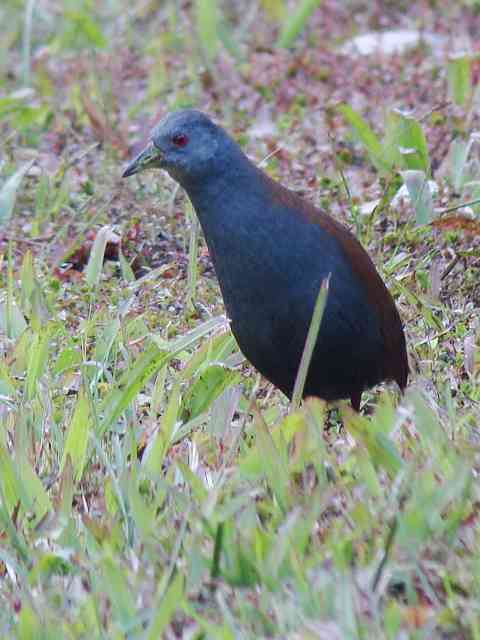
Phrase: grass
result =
(151, 483)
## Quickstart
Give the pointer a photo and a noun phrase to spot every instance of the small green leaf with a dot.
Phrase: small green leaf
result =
(67, 359)
(251, 463)
(196, 485)
(32, 298)
(77, 437)
(142, 513)
(19, 484)
(155, 453)
(149, 363)
(274, 462)
(463, 170)
(12, 321)
(275, 9)
(294, 23)
(165, 610)
(116, 588)
(30, 625)
(37, 360)
(211, 382)
(381, 449)
(48, 565)
(459, 78)
(207, 15)
(120, 397)
(95, 262)
(10, 492)
(27, 275)
(7, 386)
(405, 141)
(8, 193)
(39, 502)
(366, 136)
(214, 351)
(81, 29)
(420, 195)
(127, 272)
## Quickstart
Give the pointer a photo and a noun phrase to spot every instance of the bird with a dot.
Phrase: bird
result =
(271, 250)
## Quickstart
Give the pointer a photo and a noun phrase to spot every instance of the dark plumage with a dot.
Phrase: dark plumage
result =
(271, 250)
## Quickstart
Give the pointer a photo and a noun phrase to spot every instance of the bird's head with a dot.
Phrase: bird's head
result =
(185, 143)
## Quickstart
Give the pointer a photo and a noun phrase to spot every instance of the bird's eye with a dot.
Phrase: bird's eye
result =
(180, 140)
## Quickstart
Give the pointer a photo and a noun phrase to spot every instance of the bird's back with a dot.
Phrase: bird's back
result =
(392, 362)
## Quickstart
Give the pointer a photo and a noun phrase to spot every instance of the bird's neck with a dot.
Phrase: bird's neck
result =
(236, 177)
(235, 210)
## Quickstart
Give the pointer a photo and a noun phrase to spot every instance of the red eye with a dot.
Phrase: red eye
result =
(180, 140)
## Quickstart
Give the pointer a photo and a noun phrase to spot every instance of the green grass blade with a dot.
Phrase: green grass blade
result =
(190, 338)
(294, 24)
(95, 262)
(38, 499)
(125, 267)
(155, 453)
(312, 335)
(77, 437)
(274, 461)
(192, 274)
(12, 321)
(420, 195)
(119, 399)
(206, 388)
(8, 193)
(459, 78)
(380, 447)
(367, 137)
(37, 360)
(171, 601)
(462, 168)
(151, 361)
(405, 141)
(207, 16)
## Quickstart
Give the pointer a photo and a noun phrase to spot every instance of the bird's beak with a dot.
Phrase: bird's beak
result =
(148, 158)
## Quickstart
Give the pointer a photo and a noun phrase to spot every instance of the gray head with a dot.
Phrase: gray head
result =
(185, 143)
